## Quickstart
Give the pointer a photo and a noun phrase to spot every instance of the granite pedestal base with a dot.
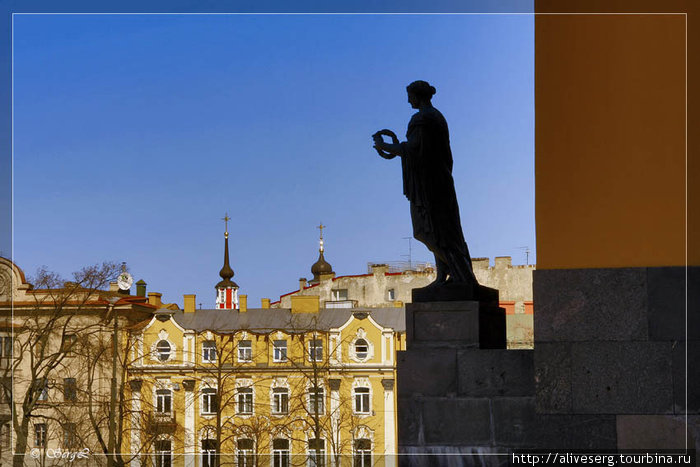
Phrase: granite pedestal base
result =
(453, 379)
(461, 324)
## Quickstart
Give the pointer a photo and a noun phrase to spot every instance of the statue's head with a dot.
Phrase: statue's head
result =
(419, 91)
(421, 88)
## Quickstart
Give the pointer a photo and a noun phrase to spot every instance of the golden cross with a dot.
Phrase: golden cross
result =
(226, 219)
(321, 227)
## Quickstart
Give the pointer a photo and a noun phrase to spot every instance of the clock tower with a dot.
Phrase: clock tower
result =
(226, 289)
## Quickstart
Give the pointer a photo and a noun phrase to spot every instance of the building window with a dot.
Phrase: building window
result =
(279, 349)
(68, 342)
(317, 453)
(70, 390)
(339, 294)
(5, 435)
(391, 295)
(163, 349)
(5, 346)
(316, 350)
(209, 404)
(244, 453)
(42, 389)
(40, 435)
(245, 401)
(245, 351)
(209, 351)
(316, 401)
(280, 400)
(70, 437)
(362, 456)
(361, 349)
(362, 405)
(164, 400)
(280, 453)
(209, 453)
(164, 453)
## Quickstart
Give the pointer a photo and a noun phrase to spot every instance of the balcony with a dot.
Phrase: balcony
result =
(161, 423)
(340, 304)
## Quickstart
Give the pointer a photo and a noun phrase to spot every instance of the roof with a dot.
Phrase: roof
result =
(370, 274)
(270, 319)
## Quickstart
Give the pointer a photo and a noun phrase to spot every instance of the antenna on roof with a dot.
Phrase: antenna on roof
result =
(410, 263)
(527, 253)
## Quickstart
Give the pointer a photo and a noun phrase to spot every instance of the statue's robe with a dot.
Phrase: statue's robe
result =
(426, 160)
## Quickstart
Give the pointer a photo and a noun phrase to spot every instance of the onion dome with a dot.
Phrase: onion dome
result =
(321, 266)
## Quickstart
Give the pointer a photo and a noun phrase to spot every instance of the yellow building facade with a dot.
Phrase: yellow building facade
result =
(265, 386)
(283, 387)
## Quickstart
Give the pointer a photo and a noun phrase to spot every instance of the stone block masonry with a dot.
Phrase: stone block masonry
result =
(608, 371)
(621, 343)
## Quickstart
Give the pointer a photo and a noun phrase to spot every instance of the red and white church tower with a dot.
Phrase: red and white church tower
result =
(226, 289)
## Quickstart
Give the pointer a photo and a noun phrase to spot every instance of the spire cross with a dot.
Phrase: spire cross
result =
(226, 219)
(321, 227)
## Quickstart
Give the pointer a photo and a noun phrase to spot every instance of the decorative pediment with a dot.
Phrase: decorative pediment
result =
(361, 382)
(280, 383)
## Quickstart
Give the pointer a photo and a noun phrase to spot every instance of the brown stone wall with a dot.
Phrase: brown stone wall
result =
(610, 135)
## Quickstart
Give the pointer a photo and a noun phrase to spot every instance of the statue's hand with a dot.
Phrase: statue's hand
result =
(384, 149)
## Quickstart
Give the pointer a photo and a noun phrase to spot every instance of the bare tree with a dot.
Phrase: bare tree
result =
(43, 335)
(320, 407)
(107, 412)
(224, 357)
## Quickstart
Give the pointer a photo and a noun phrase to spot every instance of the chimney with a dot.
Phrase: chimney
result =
(113, 286)
(265, 302)
(503, 262)
(326, 277)
(141, 288)
(154, 299)
(305, 303)
(242, 303)
(380, 269)
(190, 300)
(302, 283)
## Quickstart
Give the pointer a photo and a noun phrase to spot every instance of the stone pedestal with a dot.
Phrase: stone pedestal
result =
(612, 368)
(455, 324)
(455, 382)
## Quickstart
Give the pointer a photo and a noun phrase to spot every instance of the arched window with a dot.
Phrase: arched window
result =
(163, 349)
(280, 452)
(317, 453)
(362, 453)
(209, 453)
(164, 453)
(244, 453)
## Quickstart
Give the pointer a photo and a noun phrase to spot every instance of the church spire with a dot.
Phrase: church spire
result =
(226, 289)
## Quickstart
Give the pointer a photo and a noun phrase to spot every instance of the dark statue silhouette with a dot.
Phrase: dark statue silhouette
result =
(426, 161)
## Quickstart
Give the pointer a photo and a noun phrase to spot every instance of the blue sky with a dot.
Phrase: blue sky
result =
(134, 134)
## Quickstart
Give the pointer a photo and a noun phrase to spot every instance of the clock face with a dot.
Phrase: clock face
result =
(124, 281)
